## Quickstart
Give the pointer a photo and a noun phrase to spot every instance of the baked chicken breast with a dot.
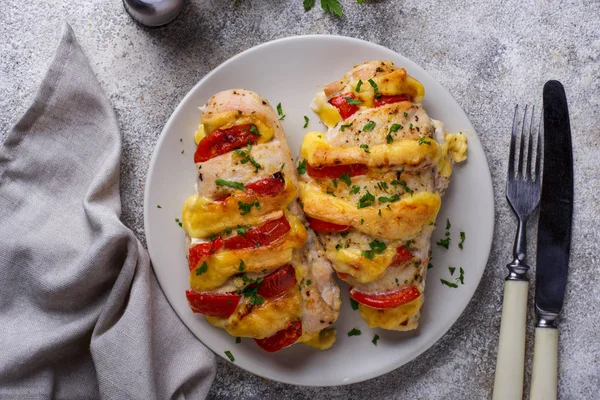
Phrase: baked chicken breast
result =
(255, 270)
(373, 187)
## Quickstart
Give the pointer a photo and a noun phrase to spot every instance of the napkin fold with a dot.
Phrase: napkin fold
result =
(81, 313)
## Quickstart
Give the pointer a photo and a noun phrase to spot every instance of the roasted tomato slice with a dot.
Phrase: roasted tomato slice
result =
(402, 255)
(335, 171)
(382, 100)
(284, 338)
(346, 109)
(221, 141)
(213, 304)
(270, 186)
(318, 225)
(202, 250)
(277, 282)
(262, 235)
(386, 300)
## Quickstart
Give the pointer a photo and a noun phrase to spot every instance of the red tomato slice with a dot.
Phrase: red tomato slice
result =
(270, 186)
(318, 225)
(262, 235)
(277, 282)
(202, 250)
(402, 255)
(284, 338)
(335, 171)
(346, 109)
(221, 141)
(213, 304)
(382, 100)
(386, 300)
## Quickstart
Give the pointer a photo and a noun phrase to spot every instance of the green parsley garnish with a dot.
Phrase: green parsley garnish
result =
(423, 140)
(362, 221)
(375, 88)
(355, 189)
(245, 208)
(429, 266)
(354, 304)
(228, 230)
(231, 184)
(178, 222)
(403, 184)
(305, 121)
(354, 332)
(335, 181)
(369, 126)
(389, 138)
(405, 114)
(241, 230)
(346, 126)
(461, 277)
(366, 200)
(391, 199)
(395, 128)
(353, 102)
(450, 284)
(202, 269)
(445, 243)
(346, 179)
(280, 112)
(229, 355)
(241, 267)
(254, 130)
(451, 269)
(462, 239)
(448, 224)
(338, 246)
(247, 158)
(251, 291)
(302, 167)
(158, 206)
(365, 147)
(376, 246)
(358, 85)
(238, 340)
(375, 339)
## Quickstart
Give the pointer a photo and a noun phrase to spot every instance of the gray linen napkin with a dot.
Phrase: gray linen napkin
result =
(81, 313)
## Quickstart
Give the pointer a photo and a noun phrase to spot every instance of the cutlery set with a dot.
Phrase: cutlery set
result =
(524, 186)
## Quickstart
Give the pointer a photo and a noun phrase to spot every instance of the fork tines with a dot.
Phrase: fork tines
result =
(527, 173)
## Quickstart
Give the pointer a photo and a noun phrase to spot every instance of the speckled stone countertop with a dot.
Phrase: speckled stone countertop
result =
(488, 54)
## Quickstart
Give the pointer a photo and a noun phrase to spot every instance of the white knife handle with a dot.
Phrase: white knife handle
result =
(545, 365)
(508, 382)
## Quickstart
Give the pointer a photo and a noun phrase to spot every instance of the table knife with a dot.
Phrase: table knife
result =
(554, 240)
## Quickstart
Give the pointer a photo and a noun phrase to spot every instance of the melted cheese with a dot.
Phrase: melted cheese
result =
(318, 152)
(392, 318)
(323, 340)
(457, 146)
(202, 217)
(328, 114)
(199, 135)
(224, 264)
(350, 261)
(230, 119)
(265, 320)
(403, 221)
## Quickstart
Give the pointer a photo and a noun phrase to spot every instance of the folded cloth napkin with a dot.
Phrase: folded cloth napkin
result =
(81, 313)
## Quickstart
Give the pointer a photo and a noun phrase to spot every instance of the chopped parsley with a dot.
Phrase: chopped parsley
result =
(202, 269)
(302, 167)
(376, 246)
(308, 282)
(375, 88)
(353, 102)
(280, 112)
(445, 243)
(251, 291)
(448, 224)
(405, 114)
(241, 267)
(228, 230)
(450, 284)
(461, 277)
(355, 189)
(451, 269)
(238, 340)
(354, 332)
(178, 222)
(254, 130)
(241, 230)
(247, 158)
(389, 138)
(362, 221)
(338, 246)
(429, 266)
(354, 304)
(403, 184)
(245, 208)
(231, 184)
(365, 147)
(395, 127)
(346, 179)
(375, 339)
(358, 85)
(391, 199)
(462, 239)
(305, 121)
(229, 355)
(158, 206)
(423, 140)
(369, 126)
(346, 126)
(365, 201)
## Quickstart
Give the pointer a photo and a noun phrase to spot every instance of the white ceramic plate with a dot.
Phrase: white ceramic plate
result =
(288, 71)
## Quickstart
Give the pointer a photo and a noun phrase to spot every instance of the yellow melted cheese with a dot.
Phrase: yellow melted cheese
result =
(202, 217)
(322, 340)
(392, 318)
(225, 263)
(230, 119)
(403, 221)
(350, 261)
(265, 320)
(457, 146)
(328, 114)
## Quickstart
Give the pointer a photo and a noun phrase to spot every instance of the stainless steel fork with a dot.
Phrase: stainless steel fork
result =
(523, 194)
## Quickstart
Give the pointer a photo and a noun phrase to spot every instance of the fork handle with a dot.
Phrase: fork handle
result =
(545, 364)
(508, 382)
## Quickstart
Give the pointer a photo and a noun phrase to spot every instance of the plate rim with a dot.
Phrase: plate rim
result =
(488, 183)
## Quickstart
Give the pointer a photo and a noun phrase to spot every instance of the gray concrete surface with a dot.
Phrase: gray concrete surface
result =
(488, 54)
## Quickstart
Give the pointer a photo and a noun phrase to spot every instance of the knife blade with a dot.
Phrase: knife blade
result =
(556, 209)
(554, 240)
